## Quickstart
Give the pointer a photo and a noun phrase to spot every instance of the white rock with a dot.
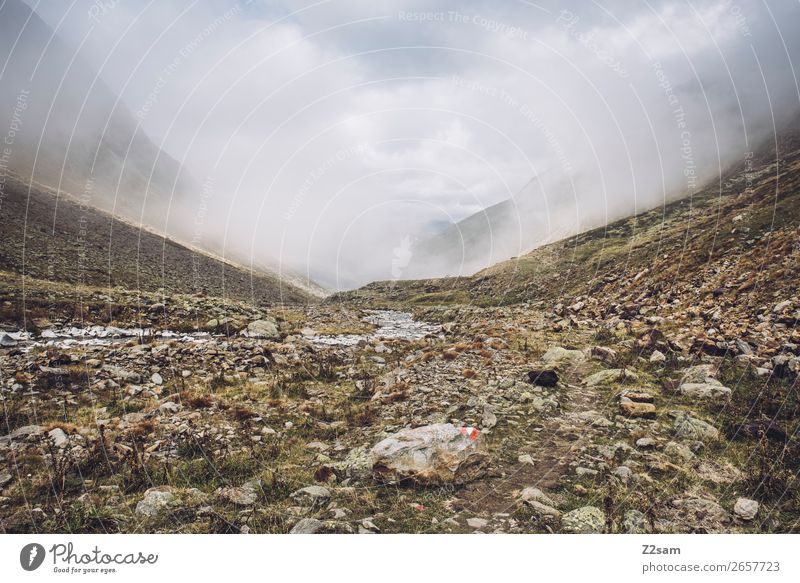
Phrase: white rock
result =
(586, 520)
(155, 500)
(781, 306)
(307, 526)
(311, 496)
(265, 328)
(477, 523)
(700, 373)
(745, 508)
(58, 436)
(435, 454)
(712, 391)
(557, 356)
(532, 494)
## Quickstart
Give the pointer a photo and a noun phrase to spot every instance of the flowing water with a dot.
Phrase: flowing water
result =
(95, 336)
(392, 325)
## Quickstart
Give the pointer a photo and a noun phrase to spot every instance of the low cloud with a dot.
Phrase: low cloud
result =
(337, 135)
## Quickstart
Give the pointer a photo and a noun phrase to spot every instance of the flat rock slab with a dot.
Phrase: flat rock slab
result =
(689, 427)
(631, 408)
(558, 356)
(711, 391)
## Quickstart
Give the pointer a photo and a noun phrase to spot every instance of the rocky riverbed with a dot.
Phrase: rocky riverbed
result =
(391, 325)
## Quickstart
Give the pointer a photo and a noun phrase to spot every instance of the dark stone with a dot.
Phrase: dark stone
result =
(653, 338)
(757, 429)
(629, 311)
(710, 347)
(543, 378)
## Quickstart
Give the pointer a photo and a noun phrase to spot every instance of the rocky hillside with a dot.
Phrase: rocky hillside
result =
(733, 245)
(83, 265)
(68, 130)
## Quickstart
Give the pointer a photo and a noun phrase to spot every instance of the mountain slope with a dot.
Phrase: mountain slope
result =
(78, 245)
(733, 242)
(477, 241)
(68, 130)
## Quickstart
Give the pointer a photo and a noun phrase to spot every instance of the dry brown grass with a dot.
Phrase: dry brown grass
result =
(68, 428)
(194, 401)
(144, 428)
(240, 413)
(361, 415)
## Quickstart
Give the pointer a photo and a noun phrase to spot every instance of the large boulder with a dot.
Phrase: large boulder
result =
(432, 455)
(700, 514)
(264, 328)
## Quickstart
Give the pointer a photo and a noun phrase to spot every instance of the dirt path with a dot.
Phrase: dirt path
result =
(553, 448)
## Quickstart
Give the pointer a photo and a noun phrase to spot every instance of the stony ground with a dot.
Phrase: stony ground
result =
(629, 430)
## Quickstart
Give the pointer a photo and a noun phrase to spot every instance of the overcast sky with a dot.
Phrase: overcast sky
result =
(331, 135)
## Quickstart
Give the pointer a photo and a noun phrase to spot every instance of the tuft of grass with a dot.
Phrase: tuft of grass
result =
(360, 414)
